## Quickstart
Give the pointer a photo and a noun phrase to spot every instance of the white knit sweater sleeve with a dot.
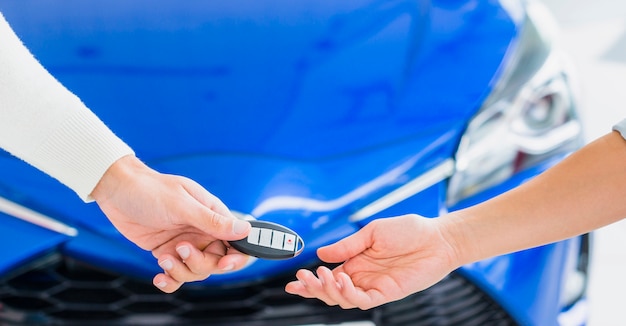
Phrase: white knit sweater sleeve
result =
(47, 126)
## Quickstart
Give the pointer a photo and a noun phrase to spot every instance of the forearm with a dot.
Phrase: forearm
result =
(46, 125)
(582, 193)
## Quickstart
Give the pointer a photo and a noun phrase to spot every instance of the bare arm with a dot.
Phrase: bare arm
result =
(582, 193)
(385, 261)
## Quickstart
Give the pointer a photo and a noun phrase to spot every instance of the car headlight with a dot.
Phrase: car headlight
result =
(529, 117)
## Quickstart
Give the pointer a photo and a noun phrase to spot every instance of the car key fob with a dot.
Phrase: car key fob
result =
(270, 241)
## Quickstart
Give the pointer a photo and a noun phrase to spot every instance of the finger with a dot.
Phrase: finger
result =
(297, 288)
(332, 288)
(347, 247)
(234, 260)
(206, 198)
(314, 286)
(179, 271)
(217, 225)
(306, 285)
(211, 215)
(165, 283)
(356, 297)
(213, 259)
(196, 261)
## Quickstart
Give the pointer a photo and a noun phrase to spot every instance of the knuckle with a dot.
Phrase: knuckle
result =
(200, 269)
(216, 221)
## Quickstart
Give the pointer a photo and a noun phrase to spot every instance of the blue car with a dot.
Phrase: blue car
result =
(317, 115)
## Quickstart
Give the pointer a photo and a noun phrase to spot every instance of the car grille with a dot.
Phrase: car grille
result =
(63, 291)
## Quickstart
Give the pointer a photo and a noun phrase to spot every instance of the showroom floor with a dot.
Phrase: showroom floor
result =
(594, 33)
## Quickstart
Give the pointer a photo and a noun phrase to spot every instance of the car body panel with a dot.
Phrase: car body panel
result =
(21, 242)
(221, 88)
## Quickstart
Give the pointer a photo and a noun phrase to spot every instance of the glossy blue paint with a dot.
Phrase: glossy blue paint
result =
(22, 243)
(296, 112)
(527, 283)
(115, 254)
(312, 99)
(221, 79)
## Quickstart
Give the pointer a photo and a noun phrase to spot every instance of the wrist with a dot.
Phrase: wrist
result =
(457, 234)
(120, 171)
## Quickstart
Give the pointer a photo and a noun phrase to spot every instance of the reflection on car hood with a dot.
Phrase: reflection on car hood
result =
(267, 99)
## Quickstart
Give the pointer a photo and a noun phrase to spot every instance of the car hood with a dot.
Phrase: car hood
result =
(299, 113)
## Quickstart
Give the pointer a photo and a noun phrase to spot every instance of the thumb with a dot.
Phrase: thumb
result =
(220, 226)
(214, 217)
(346, 248)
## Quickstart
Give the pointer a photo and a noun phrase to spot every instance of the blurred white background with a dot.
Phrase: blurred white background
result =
(594, 34)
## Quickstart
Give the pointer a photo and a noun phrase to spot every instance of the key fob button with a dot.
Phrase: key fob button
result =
(277, 239)
(253, 236)
(290, 242)
(266, 238)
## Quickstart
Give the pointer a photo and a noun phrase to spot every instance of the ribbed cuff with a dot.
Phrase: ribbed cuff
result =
(79, 152)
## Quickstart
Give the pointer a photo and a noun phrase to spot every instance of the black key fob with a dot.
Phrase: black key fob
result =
(270, 241)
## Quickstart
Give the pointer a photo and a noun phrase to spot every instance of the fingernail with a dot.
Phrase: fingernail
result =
(161, 284)
(228, 267)
(183, 251)
(339, 284)
(166, 264)
(240, 226)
